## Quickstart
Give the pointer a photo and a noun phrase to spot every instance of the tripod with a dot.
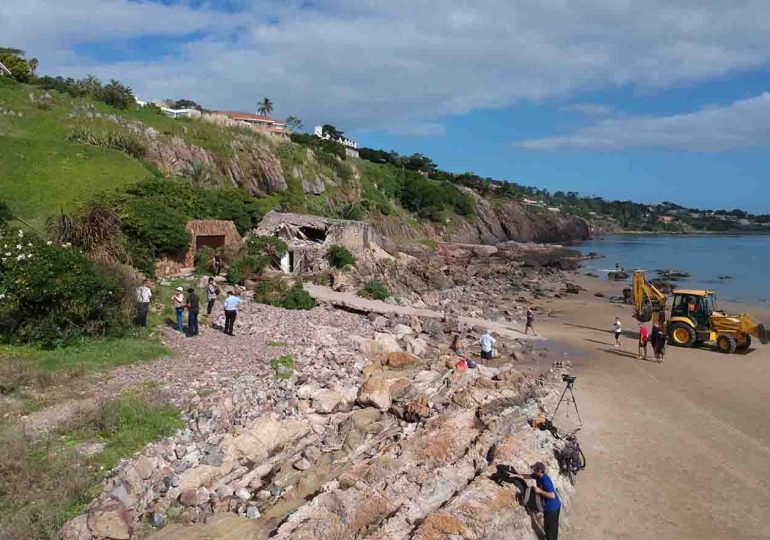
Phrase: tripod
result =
(565, 399)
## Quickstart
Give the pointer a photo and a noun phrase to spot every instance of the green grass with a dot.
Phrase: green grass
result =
(46, 482)
(283, 366)
(89, 357)
(429, 243)
(277, 344)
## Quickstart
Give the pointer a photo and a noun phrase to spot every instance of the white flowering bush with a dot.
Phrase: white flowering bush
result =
(51, 294)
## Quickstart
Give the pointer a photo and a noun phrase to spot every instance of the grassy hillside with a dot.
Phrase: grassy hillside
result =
(41, 171)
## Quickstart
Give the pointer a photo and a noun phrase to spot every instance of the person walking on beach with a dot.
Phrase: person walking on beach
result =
(231, 311)
(211, 296)
(530, 322)
(143, 296)
(486, 341)
(545, 489)
(644, 336)
(193, 306)
(617, 329)
(179, 304)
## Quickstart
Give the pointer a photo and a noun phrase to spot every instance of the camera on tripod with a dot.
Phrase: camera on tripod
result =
(569, 379)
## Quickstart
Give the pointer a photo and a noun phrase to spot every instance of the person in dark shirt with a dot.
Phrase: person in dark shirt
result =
(546, 490)
(193, 306)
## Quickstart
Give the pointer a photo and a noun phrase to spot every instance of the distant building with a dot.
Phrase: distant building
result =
(666, 219)
(258, 122)
(554, 209)
(351, 146)
(529, 202)
(181, 113)
(4, 71)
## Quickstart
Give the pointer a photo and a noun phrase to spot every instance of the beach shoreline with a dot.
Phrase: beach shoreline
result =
(663, 441)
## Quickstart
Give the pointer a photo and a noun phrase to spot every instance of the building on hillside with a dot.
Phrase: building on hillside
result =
(351, 146)
(310, 237)
(257, 122)
(528, 202)
(4, 71)
(181, 113)
(213, 233)
(554, 209)
(666, 219)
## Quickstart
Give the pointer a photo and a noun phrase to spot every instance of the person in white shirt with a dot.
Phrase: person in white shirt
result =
(179, 304)
(486, 341)
(231, 311)
(143, 296)
(617, 328)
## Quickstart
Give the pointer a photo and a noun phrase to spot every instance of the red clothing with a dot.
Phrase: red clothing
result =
(644, 335)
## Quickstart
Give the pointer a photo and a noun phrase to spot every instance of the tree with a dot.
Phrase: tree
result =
(18, 67)
(33, 64)
(332, 132)
(265, 107)
(117, 95)
(185, 104)
(294, 123)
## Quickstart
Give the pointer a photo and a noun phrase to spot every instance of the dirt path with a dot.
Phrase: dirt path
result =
(679, 450)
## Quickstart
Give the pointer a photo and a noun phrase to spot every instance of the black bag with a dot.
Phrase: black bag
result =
(526, 493)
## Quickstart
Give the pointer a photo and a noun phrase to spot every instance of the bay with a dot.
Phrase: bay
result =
(735, 267)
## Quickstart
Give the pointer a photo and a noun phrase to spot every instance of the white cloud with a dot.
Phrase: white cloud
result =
(742, 124)
(591, 110)
(370, 64)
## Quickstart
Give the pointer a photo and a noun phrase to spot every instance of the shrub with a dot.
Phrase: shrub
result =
(297, 298)
(125, 142)
(266, 246)
(5, 213)
(352, 212)
(52, 294)
(274, 291)
(340, 256)
(247, 267)
(203, 260)
(374, 290)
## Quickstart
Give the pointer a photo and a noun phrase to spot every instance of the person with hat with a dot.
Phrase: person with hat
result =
(545, 489)
(179, 304)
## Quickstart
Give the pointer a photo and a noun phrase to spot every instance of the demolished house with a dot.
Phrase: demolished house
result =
(310, 237)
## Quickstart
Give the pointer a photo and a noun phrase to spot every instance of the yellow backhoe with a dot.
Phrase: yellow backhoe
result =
(694, 318)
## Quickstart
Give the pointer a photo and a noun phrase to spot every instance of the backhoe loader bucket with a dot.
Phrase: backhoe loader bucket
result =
(645, 313)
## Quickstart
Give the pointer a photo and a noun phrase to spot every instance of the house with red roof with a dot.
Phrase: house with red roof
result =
(269, 125)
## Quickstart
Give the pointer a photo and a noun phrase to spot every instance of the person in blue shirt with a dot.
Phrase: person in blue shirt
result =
(231, 311)
(546, 490)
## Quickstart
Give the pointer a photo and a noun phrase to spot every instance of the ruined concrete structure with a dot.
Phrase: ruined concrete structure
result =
(309, 238)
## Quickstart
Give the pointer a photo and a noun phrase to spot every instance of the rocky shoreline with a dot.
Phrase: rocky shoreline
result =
(371, 430)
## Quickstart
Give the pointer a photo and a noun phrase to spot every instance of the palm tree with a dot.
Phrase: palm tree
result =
(265, 107)
(33, 63)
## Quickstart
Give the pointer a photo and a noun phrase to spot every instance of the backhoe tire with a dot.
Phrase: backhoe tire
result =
(746, 345)
(681, 334)
(726, 344)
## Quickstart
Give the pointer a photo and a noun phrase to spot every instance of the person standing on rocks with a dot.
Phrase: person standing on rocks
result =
(617, 329)
(211, 296)
(545, 489)
(179, 304)
(231, 311)
(486, 341)
(143, 296)
(193, 306)
(217, 261)
(530, 322)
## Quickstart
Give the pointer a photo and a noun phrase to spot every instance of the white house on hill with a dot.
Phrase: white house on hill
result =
(351, 146)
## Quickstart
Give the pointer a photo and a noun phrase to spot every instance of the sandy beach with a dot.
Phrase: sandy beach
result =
(675, 450)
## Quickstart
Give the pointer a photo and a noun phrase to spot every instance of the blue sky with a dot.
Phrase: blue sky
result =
(617, 98)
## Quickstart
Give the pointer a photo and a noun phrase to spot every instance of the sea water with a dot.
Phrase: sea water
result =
(734, 267)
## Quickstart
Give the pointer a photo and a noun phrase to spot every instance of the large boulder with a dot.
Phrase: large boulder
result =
(111, 520)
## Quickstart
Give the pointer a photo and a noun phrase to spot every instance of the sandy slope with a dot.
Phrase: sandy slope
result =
(678, 450)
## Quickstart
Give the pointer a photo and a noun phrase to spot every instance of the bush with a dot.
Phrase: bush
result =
(352, 212)
(247, 267)
(340, 256)
(266, 246)
(275, 292)
(125, 142)
(52, 294)
(5, 214)
(374, 290)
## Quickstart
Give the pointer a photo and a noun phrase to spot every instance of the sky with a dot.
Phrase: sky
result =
(648, 101)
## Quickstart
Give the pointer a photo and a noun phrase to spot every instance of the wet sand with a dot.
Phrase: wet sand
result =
(674, 450)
